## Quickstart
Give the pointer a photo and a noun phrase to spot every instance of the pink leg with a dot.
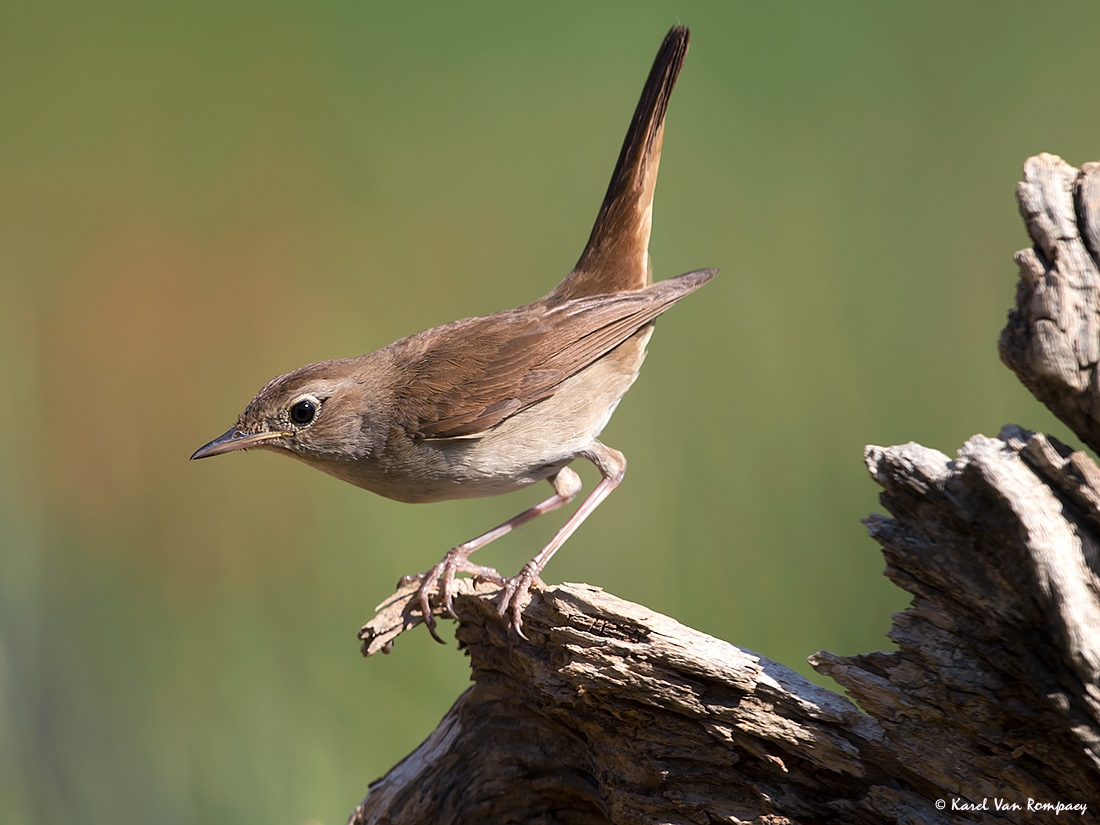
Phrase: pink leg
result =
(566, 484)
(517, 589)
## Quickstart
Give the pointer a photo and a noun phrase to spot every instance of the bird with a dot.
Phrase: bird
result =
(489, 405)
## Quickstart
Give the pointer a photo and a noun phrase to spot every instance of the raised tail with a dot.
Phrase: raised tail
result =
(616, 258)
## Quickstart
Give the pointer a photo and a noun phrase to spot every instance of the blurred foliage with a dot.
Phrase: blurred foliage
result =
(198, 197)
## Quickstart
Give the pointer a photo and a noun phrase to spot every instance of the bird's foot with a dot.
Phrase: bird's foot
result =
(442, 577)
(517, 595)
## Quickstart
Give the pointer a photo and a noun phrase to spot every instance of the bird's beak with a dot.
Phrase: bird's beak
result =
(234, 439)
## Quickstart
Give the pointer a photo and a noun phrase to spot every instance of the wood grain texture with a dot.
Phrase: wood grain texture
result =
(1052, 338)
(612, 713)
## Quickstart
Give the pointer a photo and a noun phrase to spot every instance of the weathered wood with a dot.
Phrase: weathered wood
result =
(612, 713)
(1052, 339)
(993, 687)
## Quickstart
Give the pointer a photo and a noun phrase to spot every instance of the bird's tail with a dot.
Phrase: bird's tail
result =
(616, 258)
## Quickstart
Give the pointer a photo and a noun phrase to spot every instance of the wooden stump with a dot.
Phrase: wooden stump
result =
(612, 713)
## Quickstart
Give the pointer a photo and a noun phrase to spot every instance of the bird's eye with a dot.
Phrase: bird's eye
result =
(303, 412)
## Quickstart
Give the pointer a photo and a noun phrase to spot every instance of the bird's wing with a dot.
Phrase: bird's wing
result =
(464, 378)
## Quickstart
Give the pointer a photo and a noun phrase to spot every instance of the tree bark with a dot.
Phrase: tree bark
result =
(612, 713)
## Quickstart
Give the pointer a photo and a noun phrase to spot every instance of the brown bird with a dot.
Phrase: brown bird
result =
(488, 405)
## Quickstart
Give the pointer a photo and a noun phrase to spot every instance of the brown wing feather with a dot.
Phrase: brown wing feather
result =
(465, 378)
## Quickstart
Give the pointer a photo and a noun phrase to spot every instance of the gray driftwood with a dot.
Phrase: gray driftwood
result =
(1052, 339)
(614, 714)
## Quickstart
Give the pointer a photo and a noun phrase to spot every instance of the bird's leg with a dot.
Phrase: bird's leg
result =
(566, 484)
(517, 589)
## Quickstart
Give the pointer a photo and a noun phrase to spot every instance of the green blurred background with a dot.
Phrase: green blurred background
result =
(194, 199)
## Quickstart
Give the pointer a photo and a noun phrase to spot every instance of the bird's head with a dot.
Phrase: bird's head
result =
(317, 412)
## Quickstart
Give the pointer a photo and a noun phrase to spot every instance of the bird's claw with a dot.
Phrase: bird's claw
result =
(442, 577)
(517, 595)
